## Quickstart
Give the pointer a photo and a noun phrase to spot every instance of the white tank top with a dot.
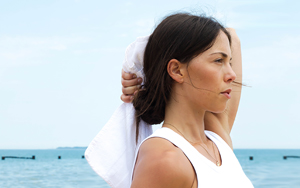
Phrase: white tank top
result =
(229, 175)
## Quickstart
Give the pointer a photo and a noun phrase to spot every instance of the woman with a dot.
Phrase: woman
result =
(193, 77)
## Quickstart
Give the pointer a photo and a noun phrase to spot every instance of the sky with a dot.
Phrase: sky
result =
(61, 60)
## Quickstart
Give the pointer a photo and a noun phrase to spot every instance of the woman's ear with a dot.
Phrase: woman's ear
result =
(175, 70)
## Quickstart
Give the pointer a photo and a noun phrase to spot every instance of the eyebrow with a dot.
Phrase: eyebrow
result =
(222, 53)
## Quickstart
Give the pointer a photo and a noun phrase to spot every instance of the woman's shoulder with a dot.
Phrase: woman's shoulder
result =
(161, 164)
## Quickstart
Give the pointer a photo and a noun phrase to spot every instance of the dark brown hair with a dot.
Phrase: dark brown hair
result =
(179, 36)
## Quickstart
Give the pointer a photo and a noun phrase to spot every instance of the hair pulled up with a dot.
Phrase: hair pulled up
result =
(180, 36)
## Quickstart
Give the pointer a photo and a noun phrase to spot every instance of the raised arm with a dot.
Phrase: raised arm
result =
(222, 123)
(236, 62)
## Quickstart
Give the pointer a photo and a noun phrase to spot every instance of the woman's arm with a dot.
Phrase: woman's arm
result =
(236, 62)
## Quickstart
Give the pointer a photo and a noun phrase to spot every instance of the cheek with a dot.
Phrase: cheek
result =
(206, 78)
(208, 81)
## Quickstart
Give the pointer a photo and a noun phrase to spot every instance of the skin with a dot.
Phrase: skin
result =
(191, 110)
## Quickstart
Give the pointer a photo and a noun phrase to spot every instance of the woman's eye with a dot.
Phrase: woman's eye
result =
(219, 60)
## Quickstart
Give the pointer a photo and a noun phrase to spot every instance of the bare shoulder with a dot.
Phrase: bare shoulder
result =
(161, 164)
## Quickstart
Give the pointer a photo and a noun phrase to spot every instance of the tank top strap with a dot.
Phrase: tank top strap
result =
(196, 158)
(177, 140)
(216, 139)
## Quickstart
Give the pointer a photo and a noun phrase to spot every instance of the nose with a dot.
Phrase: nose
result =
(230, 75)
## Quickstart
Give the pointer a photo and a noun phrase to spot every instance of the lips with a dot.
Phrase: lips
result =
(227, 93)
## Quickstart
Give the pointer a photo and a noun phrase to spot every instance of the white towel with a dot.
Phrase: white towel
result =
(111, 153)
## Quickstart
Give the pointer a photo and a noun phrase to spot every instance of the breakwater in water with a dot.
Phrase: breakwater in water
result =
(268, 168)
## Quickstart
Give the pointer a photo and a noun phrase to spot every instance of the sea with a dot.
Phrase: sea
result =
(267, 169)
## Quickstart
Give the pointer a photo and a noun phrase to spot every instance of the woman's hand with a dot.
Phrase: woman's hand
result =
(130, 84)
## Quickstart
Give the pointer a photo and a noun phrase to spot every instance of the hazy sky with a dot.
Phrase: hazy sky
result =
(60, 64)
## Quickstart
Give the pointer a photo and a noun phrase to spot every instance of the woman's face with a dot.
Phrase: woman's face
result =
(209, 77)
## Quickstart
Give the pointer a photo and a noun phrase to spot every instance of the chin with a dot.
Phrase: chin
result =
(218, 110)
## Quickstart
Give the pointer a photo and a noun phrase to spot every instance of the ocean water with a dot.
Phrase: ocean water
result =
(268, 169)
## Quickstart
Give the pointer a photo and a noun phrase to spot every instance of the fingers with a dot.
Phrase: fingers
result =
(131, 85)
(132, 82)
(126, 98)
(127, 76)
(130, 79)
(130, 90)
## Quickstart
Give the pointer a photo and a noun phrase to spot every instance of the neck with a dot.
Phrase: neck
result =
(188, 120)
